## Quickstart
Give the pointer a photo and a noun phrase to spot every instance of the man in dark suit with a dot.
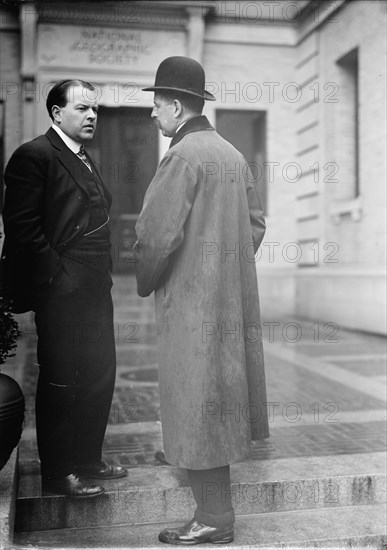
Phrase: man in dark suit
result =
(56, 261)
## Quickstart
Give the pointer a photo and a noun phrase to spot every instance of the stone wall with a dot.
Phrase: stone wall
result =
(348, 285)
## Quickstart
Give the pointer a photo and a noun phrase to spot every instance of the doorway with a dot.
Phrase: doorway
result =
(125, 149)
(246, 130)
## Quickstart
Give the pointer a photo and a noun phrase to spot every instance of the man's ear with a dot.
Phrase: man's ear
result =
(56, 113)
(177, 108)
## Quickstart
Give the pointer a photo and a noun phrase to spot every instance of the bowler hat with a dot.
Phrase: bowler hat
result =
(181, 74)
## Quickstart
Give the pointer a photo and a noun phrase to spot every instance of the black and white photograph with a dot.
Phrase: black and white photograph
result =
(193, 217)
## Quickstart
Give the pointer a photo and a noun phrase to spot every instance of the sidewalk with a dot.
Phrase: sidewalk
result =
(326, 402)
(326, 387)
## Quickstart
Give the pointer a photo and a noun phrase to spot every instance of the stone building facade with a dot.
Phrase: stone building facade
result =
(300, 89)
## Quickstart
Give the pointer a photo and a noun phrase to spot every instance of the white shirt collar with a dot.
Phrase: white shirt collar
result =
(181, 125)
(74, 146)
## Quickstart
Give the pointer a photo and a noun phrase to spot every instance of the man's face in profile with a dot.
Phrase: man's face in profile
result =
(163, 112)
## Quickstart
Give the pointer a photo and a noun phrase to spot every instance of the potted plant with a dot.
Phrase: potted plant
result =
(11, 396)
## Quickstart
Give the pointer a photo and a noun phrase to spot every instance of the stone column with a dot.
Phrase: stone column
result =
(195, 32)
(30, 92)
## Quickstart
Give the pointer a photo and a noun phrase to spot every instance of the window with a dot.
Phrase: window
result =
(347, 129)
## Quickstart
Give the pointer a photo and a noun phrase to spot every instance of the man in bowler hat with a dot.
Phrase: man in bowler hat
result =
(56, 261)
(197, 235)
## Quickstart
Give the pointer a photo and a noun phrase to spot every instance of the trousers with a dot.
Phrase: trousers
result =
(212, 492)
(77, 363)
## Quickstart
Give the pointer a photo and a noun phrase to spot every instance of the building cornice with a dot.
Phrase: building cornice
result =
(120, 14)
(317, 13)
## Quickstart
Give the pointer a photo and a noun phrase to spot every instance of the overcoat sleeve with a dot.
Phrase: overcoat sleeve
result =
(257, 219)
(23, 213)
(160, 226)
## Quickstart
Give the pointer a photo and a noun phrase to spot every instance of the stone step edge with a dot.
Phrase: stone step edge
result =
(350, 526)
(163, 504)
(130, 488)
(284, 470)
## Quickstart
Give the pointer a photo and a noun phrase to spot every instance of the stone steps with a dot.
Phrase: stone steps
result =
(8, 492)
(348, 527)
(161, 493)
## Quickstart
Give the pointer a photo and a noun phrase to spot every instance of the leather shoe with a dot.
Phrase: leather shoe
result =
(194, 532)
(71, 486)
(160, 456)
(102, 471)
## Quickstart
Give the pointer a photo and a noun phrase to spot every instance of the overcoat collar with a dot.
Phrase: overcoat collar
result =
(195, 124)
(75, 166)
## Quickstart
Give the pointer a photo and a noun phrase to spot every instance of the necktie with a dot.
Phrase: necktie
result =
(82, 155)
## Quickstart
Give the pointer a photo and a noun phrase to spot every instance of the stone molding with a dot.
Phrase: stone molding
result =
(112, 14)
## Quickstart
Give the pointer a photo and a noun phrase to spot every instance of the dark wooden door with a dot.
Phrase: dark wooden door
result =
(125, 149)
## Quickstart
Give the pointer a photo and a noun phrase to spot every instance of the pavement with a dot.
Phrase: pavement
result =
(326, 390)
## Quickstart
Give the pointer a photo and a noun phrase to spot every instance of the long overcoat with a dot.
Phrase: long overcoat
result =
(199, 228)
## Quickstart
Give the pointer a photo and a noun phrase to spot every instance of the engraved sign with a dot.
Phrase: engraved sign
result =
(106, 47)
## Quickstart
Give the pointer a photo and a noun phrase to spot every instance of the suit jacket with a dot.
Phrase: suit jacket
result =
(46, 209)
